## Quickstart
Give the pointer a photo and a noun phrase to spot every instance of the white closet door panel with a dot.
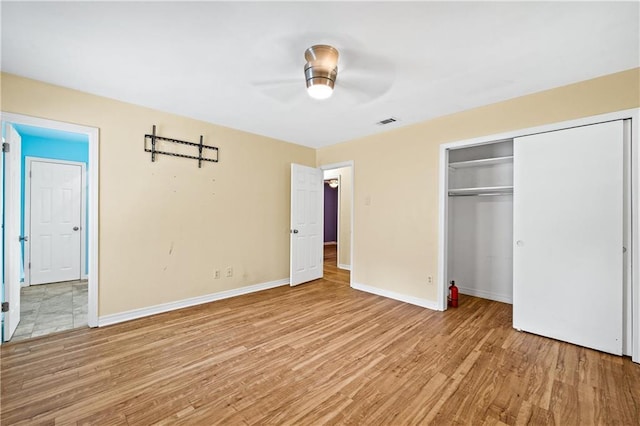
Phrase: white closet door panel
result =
(568, 230)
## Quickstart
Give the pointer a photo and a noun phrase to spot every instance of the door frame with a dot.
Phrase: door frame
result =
(339, 179)
(92, 193)
(338, 219)
(341, 165)
(27, 213)
(2, 289)
(634, 237)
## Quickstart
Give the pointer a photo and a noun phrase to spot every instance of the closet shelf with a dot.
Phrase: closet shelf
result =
(487, 190)
(481, 162)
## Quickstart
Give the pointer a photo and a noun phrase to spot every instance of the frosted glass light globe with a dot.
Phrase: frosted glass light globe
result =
(319, 91)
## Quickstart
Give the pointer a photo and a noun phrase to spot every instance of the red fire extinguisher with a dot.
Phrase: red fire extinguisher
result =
(453, 295)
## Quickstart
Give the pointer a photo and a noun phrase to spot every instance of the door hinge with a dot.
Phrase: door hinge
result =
(5, 146)
(5, 306)
(29, 265)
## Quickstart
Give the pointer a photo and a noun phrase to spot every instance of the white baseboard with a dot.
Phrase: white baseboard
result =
(185, 303)
(429, 304)
(486, 295)
(343, 266)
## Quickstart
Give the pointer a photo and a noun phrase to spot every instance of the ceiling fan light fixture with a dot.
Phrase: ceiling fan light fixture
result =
(321, 70)
(320, 90)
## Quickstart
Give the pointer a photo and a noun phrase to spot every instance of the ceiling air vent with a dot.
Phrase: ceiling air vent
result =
(387, 121)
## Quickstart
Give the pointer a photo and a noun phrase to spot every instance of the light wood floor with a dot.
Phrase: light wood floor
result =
(320, 353)
(331, 270)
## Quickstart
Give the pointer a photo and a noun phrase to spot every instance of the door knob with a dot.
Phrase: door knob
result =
(75, 228)
(25, 238)
(294, 231)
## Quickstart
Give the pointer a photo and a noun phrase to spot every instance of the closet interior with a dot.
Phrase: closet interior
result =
(480, 220)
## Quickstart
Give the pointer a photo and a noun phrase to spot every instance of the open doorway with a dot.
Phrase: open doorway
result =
(306, 261)
(338, 201)
(331, 214)
(50, 277)
(53, 203)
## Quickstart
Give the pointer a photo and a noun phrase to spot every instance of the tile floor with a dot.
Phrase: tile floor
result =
(48, 308)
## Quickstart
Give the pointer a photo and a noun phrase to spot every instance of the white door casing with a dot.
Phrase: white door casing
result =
(351, 166)
(307, 222)
(627, 296)
(568, 235)
(93, 172)
(55, 221)
(2, 292)
(12, 246)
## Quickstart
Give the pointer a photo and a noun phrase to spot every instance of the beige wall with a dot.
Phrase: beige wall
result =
(396, 176)
(166, 226)
(344, 236)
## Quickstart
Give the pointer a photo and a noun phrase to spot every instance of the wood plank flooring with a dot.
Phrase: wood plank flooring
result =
(331, 270)
(319, 353)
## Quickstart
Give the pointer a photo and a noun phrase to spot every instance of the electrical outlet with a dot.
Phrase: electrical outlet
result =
(216, 274)
(430, 279)
(229, 272)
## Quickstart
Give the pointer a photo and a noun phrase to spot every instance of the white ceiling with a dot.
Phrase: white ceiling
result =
(241, 64)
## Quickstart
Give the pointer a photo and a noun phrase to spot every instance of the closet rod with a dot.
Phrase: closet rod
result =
(487, 194)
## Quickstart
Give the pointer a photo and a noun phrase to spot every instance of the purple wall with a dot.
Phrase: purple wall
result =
(330, 213)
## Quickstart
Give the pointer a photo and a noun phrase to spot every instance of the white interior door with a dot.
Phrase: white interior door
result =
(568, 232)
(55, 222)
(12, 246)
(307, 221)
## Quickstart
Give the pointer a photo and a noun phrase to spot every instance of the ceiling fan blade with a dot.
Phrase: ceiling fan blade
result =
(284, 94)
(279, 83)
(363, 90)
(281, 90)
(365, 76)
(360, 63)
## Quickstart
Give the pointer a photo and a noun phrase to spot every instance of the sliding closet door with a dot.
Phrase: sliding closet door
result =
(568, 230)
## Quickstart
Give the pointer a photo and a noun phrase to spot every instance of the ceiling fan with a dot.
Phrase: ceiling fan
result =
(321, 70)
(364, 78)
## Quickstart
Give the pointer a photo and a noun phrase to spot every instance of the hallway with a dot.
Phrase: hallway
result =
(331, 270)
(49, 308)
